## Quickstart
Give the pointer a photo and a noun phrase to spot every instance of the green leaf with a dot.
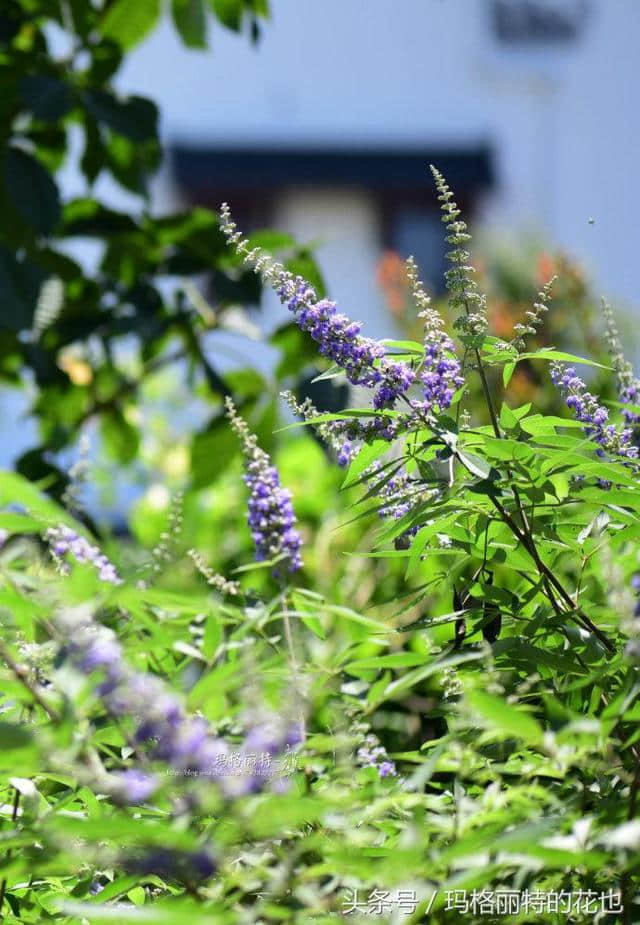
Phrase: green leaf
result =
(548, 353)
(48, 98)
(508, 418)
(403, 347)
(189, 19)
(117, 888)
(426, 671)
(395, 660)
(20, 283)
(507, 373)
(500, 715)
(229, 12)
(18, 523)
(134, 117)
(90, 218)
(475, 464)
(212, 636)
(32, 190)
(211, 451)
(13, 737)
(121, 438)
(128, 23)
(15, 489)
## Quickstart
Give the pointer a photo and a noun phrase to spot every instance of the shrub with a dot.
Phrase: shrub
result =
(473, 754)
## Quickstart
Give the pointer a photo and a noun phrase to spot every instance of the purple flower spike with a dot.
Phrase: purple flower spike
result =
(63, 539)
(270, 516)
(628, 384)
(364, 360)
(163, 730)
(589, 412)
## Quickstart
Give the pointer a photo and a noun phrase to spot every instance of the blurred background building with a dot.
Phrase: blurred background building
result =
(326, 128)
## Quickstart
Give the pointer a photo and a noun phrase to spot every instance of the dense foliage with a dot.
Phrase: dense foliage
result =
(244, 748)
(86, 340)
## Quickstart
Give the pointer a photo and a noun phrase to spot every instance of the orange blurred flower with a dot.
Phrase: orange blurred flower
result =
(546, 268)
(501, 319)
(391, 275)
(521, 387)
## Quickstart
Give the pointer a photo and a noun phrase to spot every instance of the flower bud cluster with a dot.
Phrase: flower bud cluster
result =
(534, 316)
(628, 384)
(459, 279)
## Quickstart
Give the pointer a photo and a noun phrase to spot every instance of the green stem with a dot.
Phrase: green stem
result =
(22, 675)
(295, 668)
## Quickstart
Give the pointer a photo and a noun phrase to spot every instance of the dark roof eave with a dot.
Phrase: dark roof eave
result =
(385, 170)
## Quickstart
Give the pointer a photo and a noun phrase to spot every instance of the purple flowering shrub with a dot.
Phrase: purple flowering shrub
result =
(190, 746)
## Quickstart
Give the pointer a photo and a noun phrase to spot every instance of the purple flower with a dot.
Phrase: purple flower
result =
(587, 410)
(263, 756)
(386, 769)
(632, 650)
(400, 493)
(270, 512)
(628, 384)
(162, 728)
(372, 754)
(63, 539)
(133, 786)
(441, 375)
(635, 584)
(364, 360)
(167, 863)
(102, 652)
(630, 395)
(345, 453)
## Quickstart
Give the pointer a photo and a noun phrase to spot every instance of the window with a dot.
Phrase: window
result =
(530, 21)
